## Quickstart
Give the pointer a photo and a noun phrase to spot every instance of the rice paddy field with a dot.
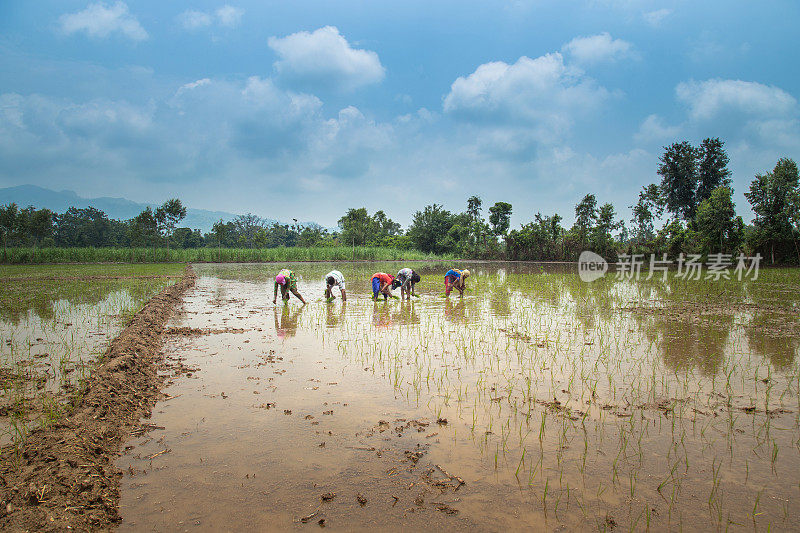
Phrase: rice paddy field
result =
(55, 320)
(535, 402)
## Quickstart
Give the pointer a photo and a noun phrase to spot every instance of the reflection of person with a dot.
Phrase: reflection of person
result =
(408, 314)
(334, 278)
(287, 281)
(332, 319)
(381, 316)
(381, 284)
(454, 312)
(287, 325)
(406, 279)
(455, 278)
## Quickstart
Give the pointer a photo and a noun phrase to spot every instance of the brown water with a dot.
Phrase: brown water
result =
(567, 405)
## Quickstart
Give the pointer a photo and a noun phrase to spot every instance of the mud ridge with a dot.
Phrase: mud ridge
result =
(63, 476)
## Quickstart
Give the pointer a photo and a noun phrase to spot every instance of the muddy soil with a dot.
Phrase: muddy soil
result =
(63, 476)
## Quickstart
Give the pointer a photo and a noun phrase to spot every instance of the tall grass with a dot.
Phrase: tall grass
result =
(208, 255)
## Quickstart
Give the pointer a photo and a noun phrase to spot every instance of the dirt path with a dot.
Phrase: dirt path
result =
(64, 475)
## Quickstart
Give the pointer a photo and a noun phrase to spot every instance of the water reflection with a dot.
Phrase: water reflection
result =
(690, 323)
(286, 320)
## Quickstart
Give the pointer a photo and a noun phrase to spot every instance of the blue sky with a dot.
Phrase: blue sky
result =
(303, 109)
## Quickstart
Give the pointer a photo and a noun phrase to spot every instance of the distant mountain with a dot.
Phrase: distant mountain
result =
(119, 208)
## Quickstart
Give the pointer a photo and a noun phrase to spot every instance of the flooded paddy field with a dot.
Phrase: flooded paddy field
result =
(55, 320)
(537, 402)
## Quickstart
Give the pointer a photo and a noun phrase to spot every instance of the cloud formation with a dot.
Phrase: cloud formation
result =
(226, 16)
(653, 129)
(598, 48)
(710, 98)
(100, 20)
(655, 18)
(324, 58)
(542, 95)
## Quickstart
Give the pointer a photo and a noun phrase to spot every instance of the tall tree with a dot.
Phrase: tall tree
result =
(585, 215)
(678, 170)
(430, 227)
(716, 221)
(770, 197)
(647, 209)
(712, 168)
(168, 215)
(500, 218)
(247, 226)
(357, 227)
(9, 215)
(144, 229)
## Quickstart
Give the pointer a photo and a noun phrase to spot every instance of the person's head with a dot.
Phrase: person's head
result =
(330, 281)
(415, 278)
(465, 273)
(280, 279)
(395, 283)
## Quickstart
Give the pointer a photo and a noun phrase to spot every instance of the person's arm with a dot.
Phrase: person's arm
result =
(275, 296)
(344, 294)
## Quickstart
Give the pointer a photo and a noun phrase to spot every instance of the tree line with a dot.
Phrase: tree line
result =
(690, 210)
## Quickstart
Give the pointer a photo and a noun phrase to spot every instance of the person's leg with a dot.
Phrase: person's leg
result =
(297, 294)
(376, 287)
(448, 286)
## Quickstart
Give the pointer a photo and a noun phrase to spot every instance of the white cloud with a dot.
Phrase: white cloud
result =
(324, 57)
(229, 16)
(542, 95)
(194, 20)
(655, 18)
(713, 97)
(598, 48)
(101, 20)
(653, 129)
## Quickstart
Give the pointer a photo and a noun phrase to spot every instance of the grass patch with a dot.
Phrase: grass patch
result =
(208, 255)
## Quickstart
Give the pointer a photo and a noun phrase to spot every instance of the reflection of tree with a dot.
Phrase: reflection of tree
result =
(287, 325)
(332, 319)
(686, 343)
(774, 336)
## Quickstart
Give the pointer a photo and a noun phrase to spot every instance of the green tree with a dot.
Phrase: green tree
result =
(246, 228)
(678, 170)
(9, 222)
(356, 226)
(605, 224)
(585, 215)
(83, 227)
(712, 168)
(429, 229)
(716, 222)
(647, 209)
(144, 229)
(500, 218)
(770, 197)
(168, 215)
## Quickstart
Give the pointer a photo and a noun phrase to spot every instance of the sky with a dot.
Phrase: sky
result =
(304, 109)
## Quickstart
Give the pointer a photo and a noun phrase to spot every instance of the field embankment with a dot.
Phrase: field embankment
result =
(209, 255)
(63, 475)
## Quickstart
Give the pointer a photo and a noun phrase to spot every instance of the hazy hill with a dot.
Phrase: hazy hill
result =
(119, 208)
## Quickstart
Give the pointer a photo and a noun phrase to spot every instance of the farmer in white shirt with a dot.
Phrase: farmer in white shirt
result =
(334, 278)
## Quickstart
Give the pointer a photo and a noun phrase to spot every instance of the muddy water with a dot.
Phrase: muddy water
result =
(558, 404)
(51, 334)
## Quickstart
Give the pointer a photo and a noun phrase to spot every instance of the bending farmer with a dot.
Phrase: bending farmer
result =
(455, 278)
(406, 279)
(287, 282)
(381, 284)
(334, 278)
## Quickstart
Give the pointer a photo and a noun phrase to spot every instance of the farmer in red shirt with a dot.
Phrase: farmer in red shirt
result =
(381, 284)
